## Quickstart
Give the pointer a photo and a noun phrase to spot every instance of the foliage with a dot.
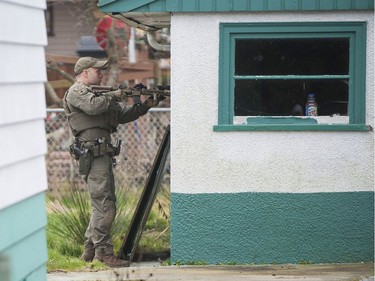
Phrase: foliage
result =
(57, 261)
(68, 217)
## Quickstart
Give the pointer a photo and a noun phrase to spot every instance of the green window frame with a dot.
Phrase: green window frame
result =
(354, 31)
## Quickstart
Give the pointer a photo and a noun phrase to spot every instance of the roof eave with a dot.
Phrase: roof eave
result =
(145, 21)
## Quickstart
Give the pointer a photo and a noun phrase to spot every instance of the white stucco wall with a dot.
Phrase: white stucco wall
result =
(204, 161)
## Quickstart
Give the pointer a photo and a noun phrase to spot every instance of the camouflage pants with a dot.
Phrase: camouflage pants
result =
(103, 202)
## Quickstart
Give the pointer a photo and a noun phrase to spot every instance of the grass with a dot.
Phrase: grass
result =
(68, 216)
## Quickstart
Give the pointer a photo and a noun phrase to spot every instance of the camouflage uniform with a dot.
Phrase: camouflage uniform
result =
(93, 117)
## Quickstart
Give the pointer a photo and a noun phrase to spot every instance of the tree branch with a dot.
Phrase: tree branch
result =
(52, 94)
(53, 66)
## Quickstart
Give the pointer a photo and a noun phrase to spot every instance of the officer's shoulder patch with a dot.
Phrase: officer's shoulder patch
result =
(81, 88)
(82, 91)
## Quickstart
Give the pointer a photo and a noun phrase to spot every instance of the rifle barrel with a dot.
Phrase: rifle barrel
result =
(130, 91)
(155, 91)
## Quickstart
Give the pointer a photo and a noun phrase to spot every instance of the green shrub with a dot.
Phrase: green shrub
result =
(69, 215)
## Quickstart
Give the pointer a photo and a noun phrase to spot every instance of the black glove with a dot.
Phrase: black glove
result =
(151, 102)
(162, 88)
(161, 97)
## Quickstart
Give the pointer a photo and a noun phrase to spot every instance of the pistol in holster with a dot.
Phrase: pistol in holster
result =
(116, 148)
(76, 150)
(83, 155)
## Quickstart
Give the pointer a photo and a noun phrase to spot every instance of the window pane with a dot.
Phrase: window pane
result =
(292, 56)
(49, 19)
(288, 97)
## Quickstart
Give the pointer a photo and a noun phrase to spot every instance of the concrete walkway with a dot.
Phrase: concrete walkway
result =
(155, 272)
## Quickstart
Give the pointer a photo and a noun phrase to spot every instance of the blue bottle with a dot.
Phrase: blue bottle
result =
(311, 105)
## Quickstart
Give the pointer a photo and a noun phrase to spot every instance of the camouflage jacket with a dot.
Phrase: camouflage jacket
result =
(85, 110)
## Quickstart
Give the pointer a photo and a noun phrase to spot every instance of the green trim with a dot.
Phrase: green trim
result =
(359, 76)
(332, 227)
(105, 2)
(263, 120)
(23, 240)
(184, 6)
(354, 31)
(38, 275)
(124, 5)
(27, 255)
(292, 127)
(22, 219)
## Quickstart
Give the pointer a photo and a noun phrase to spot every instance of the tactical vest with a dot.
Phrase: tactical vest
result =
(80, 121)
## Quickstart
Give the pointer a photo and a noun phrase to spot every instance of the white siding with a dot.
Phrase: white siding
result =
(25, 64)
(22, 76)
(204, 161)
(22, 24)
(22, 180)
(28, 3)
(25, 95)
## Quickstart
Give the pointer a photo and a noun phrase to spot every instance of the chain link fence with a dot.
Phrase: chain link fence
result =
(140, 142)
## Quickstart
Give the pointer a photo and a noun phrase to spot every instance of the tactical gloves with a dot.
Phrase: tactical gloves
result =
(151, 102)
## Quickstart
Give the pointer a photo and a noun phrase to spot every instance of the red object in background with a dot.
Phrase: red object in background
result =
(122, 32)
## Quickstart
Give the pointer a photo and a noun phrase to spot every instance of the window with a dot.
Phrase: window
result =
(49, 20)
(268, 70)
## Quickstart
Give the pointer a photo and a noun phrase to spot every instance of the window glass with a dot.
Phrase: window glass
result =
(311, 56)
(257, 59)
(288, 97)
(49, 20)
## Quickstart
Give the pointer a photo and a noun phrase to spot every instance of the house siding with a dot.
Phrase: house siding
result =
(268, 228)
(256, 197)
(234, 5)
(261, 197)
(22, 165)
(24, 236)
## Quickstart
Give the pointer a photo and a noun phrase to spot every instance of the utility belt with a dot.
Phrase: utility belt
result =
(85, 152)
(98, 148)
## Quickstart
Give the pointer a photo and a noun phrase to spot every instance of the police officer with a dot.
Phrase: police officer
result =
(92, 118)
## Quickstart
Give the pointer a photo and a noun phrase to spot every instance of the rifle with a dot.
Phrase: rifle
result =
(161, 93)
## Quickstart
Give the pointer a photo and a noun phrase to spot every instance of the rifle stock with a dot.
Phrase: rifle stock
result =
(102, 89)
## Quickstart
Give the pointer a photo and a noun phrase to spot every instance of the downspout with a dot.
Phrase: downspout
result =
(155, 45)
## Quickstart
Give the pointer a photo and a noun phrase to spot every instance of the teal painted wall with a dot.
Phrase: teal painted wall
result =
(231, 5)
(23, 246)
(272, 227)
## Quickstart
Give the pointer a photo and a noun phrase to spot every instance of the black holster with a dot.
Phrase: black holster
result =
(84, 163)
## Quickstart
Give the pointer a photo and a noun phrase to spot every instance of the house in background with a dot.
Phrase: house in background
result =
(252, 179)
(23, 179)
(72, 34)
